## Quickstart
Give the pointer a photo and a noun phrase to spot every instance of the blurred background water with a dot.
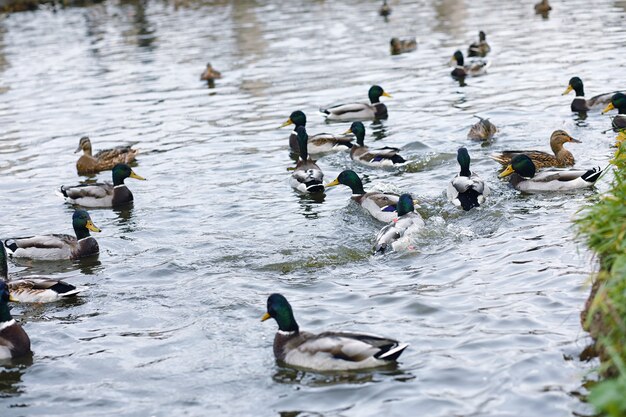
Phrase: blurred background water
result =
(489, 300)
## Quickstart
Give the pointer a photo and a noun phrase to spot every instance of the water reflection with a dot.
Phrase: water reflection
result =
(11, 376)
(451, 15)
(308, 203)
(379, 130)
(286, 375)
(142, 33)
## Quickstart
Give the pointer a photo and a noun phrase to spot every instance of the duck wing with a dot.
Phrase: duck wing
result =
(355, 347)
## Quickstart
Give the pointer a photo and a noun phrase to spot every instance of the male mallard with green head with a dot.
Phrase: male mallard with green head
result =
(327, 351)
(480, 48)
(34, 289)
(396, 235)
(374, 110)
(466, 190)
(618, 101)
(103, 160)
(317, 144)
(382, 157)
(14, 342)
(102, 194)
(579, 103)
(382, 206)
(307, 177)
(524, 178)
(58, 246)
(473, 68)
(561, 157)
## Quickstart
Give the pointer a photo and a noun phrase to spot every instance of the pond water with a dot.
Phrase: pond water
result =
(170, 324)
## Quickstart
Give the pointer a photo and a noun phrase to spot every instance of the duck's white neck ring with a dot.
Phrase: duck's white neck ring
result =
(6, 324)
(85, 238)
(121, 185)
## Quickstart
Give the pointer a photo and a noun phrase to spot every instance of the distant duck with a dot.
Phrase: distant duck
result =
(561, 157)
(14, 341)
(35, 289)
(400, 46)
(472, 68)
(522, 171)
(543, 7)
(395, 236)
(480, 48)
(385, 9)
(102, 194)
(466, 190)
(56, 247)
(482, 130)
(618, 101)
(381, 206)
(103, 160)
(374, 110)
(307, 177)
(317, 144)
(383, 157)
(210, 74)
(327, 351)
(579, 103)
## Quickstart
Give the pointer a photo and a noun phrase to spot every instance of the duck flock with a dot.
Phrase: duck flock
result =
(528, 171)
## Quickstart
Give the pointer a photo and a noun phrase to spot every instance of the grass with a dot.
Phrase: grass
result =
(603, 226)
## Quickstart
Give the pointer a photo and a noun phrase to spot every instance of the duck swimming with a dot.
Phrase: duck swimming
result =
(14, 342)
(103, 160)
(472, 68)
(482, 130)
(561, 157)
(307, 176)
(579, 103)
(383, 157)
(317, 144)
(396, 235)
(480, 48)
(618, 101)
(327, 351)
(466, 190)
(374, 110)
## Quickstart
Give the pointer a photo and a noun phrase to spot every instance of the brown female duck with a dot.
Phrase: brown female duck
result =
(103, 160)
(561, 158)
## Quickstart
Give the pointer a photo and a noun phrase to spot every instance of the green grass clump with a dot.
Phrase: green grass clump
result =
(603, 226)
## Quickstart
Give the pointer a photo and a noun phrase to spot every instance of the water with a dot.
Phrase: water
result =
(170, 324)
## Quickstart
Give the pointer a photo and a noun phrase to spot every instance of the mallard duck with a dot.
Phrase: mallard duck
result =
(382, 206)
(580, 104)
(327, 351)
(385, 9)
(307, 177)
(382, 157)
(102, 194)
(618, 101)
(395, 235)
(473, 68)
(480, 48)
(317, 144)
(210, 74)
(360, 111)
(104, 159)
(543, 7)
(482, 130)
(400, 46)
(561, 158)
(14, 341)
(522, 171)
(35, 289)
(467, 189)
(55, 247)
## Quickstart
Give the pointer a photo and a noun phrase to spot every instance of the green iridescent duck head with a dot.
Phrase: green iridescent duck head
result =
(297, 118)
(280, 310)
(375, 93)
(350, 179)
(358, 130)
(521, 165)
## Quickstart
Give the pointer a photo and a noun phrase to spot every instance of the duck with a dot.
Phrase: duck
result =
(320, 143)
(467, 190)
(482, 130)
(382, 157)
(104, 160)
(400, 46)
(327, 351)
(618, 101)
(395, 236)
(375, 110)
(102, 194)
(34, 289)
(543, 7)
(381, 206)
(58, 246)
(14, 342)
(480, 48)
(579, 103)
(561, 158)
(473, 68)
(522, 171)
(307, 177)
(385, 9)
(210, 74)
